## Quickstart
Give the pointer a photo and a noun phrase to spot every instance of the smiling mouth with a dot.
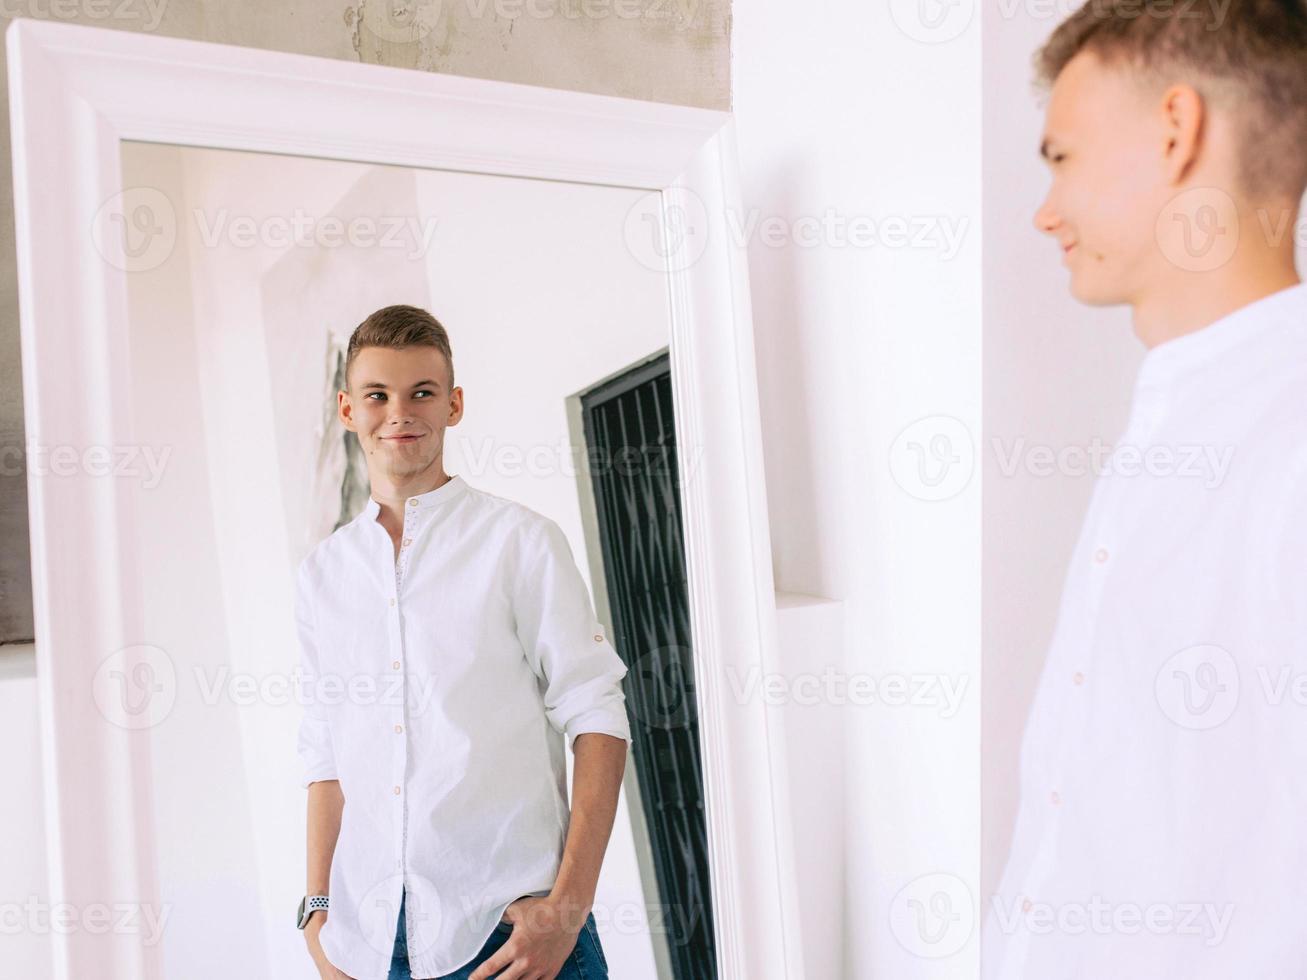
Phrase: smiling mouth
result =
(401, 438)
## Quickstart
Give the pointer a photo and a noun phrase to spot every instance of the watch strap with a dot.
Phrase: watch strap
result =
(308, 905)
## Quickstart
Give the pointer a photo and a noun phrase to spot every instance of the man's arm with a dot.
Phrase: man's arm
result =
(326, 802)
(600, 761)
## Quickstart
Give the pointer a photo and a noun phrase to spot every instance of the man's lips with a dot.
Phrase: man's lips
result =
(404, 438)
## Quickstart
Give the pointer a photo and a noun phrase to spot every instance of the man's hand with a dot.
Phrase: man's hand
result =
(543, 937)
(311, 929)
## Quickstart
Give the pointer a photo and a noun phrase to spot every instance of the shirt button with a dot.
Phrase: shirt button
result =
(396, 790)
(1100, 555)
(1054, 796)
(392, 600)
(598, 638)
(398, 729)
(412, 501)
(1079, 678)
(395, 665)
(408, 541)
(1027, 905)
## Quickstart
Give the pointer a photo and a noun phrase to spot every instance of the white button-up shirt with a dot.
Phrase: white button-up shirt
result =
(438, 689)
(1164, 766)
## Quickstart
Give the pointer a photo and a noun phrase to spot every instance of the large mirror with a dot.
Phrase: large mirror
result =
(573, 248)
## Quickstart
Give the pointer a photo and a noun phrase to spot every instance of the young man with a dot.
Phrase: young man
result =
(448, 643)
(1164, 766)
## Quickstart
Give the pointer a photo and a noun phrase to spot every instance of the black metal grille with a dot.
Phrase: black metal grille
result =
(631, 444)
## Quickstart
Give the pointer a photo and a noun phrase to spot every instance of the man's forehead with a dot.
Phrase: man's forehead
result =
(1086, 95)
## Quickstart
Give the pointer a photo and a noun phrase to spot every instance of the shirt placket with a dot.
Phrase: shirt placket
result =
(1104, 520)
(399, 721)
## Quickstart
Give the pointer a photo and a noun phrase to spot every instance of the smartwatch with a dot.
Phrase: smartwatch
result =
(308, 905)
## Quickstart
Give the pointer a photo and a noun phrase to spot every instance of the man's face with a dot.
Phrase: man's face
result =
(399, 403)
(1104, 144)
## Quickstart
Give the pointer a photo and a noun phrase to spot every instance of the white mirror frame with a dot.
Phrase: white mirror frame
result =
(75, 93)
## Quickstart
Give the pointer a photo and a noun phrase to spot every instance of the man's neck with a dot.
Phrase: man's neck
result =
(390, 494)
(1189, 304)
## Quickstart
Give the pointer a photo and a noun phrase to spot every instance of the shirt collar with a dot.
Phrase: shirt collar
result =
(1246, 329)
(424, 502)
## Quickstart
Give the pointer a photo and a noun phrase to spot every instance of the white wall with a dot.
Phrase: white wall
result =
(842, 113)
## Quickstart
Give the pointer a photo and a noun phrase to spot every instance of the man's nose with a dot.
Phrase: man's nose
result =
(1046, 218)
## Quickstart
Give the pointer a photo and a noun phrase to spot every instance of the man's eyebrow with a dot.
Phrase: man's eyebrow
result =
(416, 384)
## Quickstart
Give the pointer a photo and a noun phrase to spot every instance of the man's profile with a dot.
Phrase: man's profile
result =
(1158, 832)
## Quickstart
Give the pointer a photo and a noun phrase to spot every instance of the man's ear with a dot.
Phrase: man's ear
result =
(1184, 125)
(343, 409)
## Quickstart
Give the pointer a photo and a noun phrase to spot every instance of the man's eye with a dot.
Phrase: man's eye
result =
(424, 391)
(374, 393)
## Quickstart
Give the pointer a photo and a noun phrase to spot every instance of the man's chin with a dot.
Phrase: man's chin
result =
(1095, 293)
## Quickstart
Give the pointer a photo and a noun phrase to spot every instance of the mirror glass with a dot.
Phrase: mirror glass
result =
(249, 272)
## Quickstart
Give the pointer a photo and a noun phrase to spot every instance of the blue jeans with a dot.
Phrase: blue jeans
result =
(586, 961)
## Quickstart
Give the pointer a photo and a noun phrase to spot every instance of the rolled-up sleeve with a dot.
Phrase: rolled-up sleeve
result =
(317, 758)
(563, 640)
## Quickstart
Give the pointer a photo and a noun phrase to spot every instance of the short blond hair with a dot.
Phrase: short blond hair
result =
(398, 327)
(1252, 55)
